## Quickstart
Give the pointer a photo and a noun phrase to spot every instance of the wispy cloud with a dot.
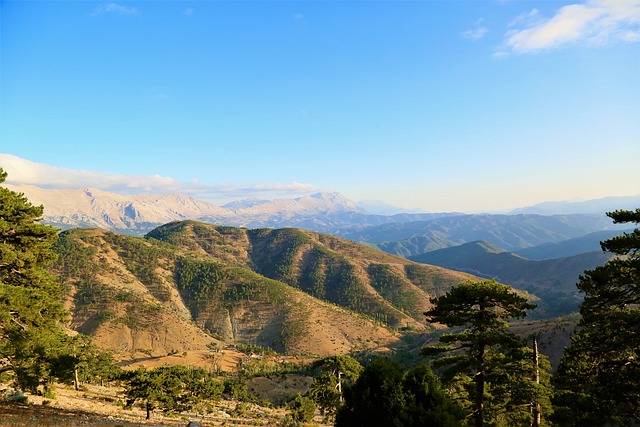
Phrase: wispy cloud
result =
(114, 8)
(475, 33)
(594, 22)
(23, 171)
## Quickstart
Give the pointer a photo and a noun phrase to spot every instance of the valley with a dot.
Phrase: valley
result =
(319, 213)
(245, 304)
(553, 280)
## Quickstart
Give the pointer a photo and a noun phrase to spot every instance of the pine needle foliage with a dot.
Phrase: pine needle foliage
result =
(30, 309)
(487, 367)
(599, 375)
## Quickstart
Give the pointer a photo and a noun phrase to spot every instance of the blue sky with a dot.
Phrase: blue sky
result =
(437, 105)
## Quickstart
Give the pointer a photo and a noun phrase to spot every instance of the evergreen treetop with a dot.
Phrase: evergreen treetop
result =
(599, 375)
(30, 299)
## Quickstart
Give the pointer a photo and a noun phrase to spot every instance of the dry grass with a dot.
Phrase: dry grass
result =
(102, 406)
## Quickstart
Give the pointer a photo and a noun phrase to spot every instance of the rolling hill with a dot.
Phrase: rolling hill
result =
(189, 285)
(512, 232)
(566, 248)
(553, 280)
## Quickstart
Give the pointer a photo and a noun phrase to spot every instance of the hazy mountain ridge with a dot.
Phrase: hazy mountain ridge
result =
(245, 203)
(138, 214)
(595, 206)
(405, 234)
(378, 207)
(190, 284)
(570, 247)
(554, 280)
(89, 207)
(511, 232)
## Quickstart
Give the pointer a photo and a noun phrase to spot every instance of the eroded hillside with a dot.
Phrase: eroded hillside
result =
(189, 284)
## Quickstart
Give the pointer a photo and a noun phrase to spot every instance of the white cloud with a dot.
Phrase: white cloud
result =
(528, 19)
(114, 8)
(23, 171)
(475, 33)
(594, 22)
(292, 186)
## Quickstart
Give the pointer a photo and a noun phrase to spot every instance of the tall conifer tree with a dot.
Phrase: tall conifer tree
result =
(599, 374)
(487, 363)
(30, 307)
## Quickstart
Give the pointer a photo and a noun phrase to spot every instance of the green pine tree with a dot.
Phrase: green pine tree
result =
(599, 375)
(172, 388)
(30, 299)
(487, 367)
(327, 388)
(386, 395)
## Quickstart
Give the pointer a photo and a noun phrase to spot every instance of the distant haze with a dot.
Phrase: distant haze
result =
(598, 206)
(25, 172)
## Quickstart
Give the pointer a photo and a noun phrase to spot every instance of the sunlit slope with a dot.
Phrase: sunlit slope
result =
(190, 284)
(129, 306)
(391, 289)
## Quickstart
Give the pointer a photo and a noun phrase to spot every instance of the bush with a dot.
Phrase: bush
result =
(302, 409)
(237, 389)
(17, 397)
(386, 395)
(49, 392)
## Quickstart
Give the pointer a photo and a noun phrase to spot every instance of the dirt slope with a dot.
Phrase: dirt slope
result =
(190, 286)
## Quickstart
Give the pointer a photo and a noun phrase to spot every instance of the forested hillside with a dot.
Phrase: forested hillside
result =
(189, 283)
(553, 280)
(190, 286)
(570, 247)
(510, 232)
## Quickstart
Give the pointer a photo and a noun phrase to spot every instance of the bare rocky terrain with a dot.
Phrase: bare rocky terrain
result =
(137, 214)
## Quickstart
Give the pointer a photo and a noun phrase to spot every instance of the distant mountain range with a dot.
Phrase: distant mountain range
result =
(138, 214)
(596, 206)
(405, 234)
(510, 232)
(566, 248)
